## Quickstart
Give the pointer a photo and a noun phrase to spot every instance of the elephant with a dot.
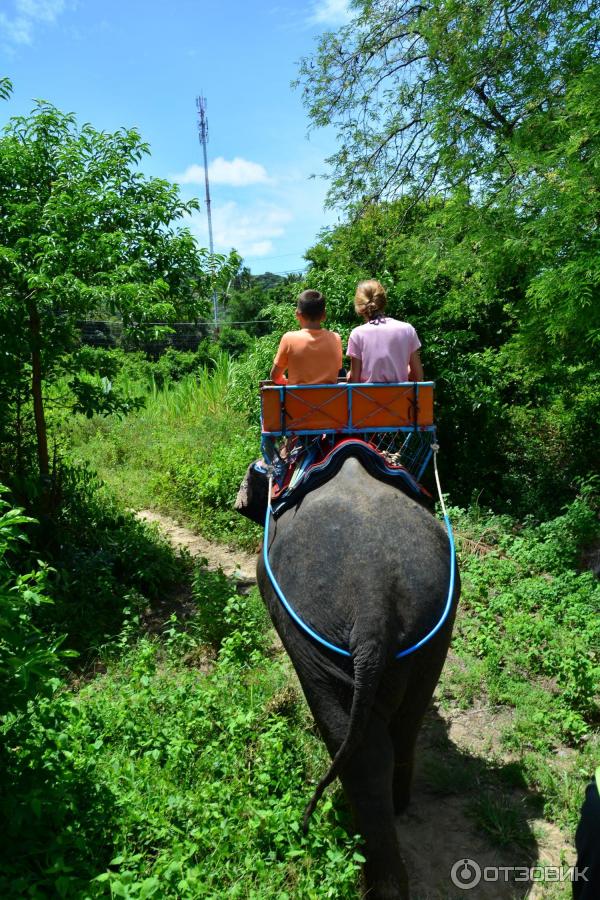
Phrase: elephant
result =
(367, 567)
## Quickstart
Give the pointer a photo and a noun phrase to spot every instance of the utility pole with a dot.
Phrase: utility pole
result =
(203, 136)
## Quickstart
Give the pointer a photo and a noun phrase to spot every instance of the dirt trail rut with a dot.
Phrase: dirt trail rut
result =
(235, 563)
(438, 830)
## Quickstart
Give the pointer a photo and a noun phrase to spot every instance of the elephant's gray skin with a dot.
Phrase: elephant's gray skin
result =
(368, 568)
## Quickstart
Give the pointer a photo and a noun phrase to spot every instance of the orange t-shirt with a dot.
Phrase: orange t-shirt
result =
(311, 356)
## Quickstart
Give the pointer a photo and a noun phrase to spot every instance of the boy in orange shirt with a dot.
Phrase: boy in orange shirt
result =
(312, 355)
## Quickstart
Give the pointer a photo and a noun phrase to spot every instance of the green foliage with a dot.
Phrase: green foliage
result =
(256, 365)
(211, 593)
(425, 97)
(173, 365)
(246, 305)
(207, 488)
(481, 149)
(234, 341)
(188, 449)
(159, 781)
(246, 637)
(532, 620)
(6, 88)
(104, 564)
(81, 230)
(223, 618)
(57, 811)
(251, 295)
(502, 819)
(30, 660)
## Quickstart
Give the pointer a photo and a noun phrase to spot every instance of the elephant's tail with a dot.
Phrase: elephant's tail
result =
(368, 667)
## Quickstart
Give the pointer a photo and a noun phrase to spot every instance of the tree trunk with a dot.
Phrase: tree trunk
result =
(36, 390)
(19, 427)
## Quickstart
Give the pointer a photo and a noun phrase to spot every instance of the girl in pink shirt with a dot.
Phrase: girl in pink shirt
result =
(383, 349)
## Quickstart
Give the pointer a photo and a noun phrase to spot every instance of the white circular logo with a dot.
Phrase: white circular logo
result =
(465, 874)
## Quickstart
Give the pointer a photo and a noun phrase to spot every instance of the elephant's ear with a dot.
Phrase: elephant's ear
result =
(252, 497)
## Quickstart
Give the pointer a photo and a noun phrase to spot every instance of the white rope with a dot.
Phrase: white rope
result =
(435, 447)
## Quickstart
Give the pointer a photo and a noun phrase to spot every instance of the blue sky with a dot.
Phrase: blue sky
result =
(142, 62)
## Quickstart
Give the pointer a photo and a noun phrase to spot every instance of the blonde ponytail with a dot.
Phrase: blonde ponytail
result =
(370, 298)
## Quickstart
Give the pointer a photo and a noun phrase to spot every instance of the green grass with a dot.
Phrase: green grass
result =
(526, 640)
(162, 779)
(503, 819)
(185, 452)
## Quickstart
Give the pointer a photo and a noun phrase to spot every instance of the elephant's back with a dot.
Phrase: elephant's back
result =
(358, 549)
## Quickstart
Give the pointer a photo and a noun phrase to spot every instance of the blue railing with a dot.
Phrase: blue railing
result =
(350, 427)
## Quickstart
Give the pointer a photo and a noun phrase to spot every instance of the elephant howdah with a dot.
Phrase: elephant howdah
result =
(396, 418)
(370, 569)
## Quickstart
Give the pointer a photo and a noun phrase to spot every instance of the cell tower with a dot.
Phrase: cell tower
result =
(203, 135)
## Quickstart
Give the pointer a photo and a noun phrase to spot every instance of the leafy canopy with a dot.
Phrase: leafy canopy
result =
(83, 232)
(427, 95)
(81, 228)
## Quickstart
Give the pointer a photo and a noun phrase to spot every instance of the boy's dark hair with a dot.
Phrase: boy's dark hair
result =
(311, 305)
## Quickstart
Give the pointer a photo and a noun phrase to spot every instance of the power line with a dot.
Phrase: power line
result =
(287, 272)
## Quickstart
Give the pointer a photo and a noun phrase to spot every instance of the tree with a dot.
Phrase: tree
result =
(252, 294)
(428, 94)
(81, 229)
(492, 107)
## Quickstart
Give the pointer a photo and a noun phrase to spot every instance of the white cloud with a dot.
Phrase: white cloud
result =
(237, 172)
(330, 12)
(41, 10)
(18, 28)
(193, 175)
(259, 248)
(250, 230)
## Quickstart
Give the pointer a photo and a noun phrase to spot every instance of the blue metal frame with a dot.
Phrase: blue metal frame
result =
(349, 387)
(267, 440)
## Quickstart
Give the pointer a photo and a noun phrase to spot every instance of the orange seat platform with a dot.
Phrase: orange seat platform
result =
(346, 408)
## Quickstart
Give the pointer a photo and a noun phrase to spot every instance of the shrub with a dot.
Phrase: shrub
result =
(29, 659)
(103, 561)
(531, 619)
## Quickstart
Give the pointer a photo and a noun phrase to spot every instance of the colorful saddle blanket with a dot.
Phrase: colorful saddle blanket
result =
(318, 465)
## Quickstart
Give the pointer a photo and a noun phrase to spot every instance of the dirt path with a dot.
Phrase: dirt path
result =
(235, 563)
(455, 750)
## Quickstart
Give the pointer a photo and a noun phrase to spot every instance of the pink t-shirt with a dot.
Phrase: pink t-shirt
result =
(383, 346)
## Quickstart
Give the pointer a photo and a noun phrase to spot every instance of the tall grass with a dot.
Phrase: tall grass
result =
(185, 451)
(204, 393)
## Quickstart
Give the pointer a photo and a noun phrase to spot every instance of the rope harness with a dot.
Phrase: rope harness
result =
(319, 637)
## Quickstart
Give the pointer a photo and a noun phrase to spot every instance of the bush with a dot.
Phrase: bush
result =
(173, 365)
(234, 341)
(30, 660)
(156, 780)
(532, 620)
(59, 814)
(206, 488)
(103, 562)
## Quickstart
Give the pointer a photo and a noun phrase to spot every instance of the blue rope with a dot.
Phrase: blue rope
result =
(448, 606)
(319, 637)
